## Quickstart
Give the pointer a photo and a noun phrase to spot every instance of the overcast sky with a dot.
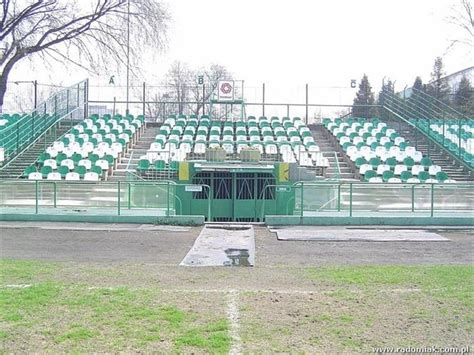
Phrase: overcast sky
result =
(323, 43)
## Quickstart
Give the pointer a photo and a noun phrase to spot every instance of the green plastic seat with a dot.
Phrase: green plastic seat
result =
(43, 157)
(160, 165)
(110, 159)
(96, 169)
(426, 162)
(423, 176)
(76, 157)
(143, 165)
(405, 175)
(63, 170)
(174, 165)
(60, 157)
(45, 170)
(441, 176)
(360, 161)
(387, 175)
(81, 170)
(408, 161)
(391, 162)
(369, 174)
(93, 157)
(374, 162)
(29, 169)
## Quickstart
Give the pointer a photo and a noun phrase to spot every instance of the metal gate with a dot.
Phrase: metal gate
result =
(234, 196)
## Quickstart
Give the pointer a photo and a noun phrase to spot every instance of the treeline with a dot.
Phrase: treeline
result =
(460, 98)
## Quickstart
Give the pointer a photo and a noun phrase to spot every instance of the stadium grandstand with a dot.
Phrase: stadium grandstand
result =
(233, 164)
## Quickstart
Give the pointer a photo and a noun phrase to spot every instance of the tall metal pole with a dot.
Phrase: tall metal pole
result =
(128, 53)
(263, 99)
(306, 103)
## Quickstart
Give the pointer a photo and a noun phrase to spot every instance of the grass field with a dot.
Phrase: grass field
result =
(77, 307)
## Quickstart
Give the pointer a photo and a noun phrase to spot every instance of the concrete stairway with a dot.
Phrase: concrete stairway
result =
(129, 161)
(15, 168)
(332, 151)
(438, 155)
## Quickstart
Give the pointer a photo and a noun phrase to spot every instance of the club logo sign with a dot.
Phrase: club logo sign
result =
(226, 90)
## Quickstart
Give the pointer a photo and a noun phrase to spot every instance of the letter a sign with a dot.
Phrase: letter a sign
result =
(226, 90)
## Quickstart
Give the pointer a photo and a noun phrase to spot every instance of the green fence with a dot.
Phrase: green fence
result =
(310, 198)
(69, 102)
(351, 198)
(83, 196)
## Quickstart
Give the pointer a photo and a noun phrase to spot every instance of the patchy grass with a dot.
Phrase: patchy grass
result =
(441, 281)
(351, 310)
(54, 316)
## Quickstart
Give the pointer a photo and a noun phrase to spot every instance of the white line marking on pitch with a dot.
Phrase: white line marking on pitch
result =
(234, 319)
(17, 286)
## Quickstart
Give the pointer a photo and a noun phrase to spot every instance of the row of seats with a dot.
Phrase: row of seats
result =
(456, 135)
(180, 136)
(381, 154)
(86, 154)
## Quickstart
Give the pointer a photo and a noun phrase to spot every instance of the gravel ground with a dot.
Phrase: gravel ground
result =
(145, 244)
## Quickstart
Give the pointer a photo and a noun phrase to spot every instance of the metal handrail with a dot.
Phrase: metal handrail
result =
(449, 108)
(426, 134)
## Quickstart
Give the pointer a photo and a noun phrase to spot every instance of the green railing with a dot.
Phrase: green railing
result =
(78, 196)
(65, 103)
(434, 119)
(350, 199)
(360, 198)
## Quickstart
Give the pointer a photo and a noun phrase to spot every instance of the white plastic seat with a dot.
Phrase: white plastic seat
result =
(416, 169)
(271, 149)
(413, 180)
(91, 176)
(431, 181)
(199, 148)
(394, 180)
(380, 151)
(376, 179)
(399, 140)
(399, 168)
(35, 176)
(103, 164)
(85, 163)
(417, 156)
(73, 176)
(117, 147)
(70, 136)
(382, 168)
(434, 169)
(54, 176)
(69, 163)
(384, 140)
(364, 168)
(53, 153)
(313, 148)
(344, 139)
(400, 156)
(59, 146)
(357, 140)
(50, 162)
(97, 136)
(228, 147)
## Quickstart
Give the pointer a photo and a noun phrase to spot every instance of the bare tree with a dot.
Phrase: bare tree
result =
(91, 34)
(212, 76)
(462, 18)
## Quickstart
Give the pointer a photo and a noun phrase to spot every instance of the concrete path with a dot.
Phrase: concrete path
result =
(223, 245)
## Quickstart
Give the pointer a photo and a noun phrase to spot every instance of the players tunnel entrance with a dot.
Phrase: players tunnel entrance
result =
(235, 196)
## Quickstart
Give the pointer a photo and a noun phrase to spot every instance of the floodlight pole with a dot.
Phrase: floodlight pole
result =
(128, 54)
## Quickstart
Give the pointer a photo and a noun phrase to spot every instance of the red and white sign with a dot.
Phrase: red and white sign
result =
(226, 90)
